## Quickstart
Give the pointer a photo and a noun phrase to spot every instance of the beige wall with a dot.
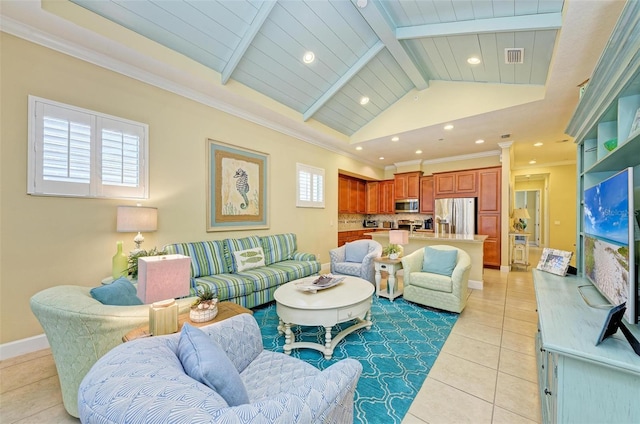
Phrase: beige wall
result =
(48, 241)
(561, 202)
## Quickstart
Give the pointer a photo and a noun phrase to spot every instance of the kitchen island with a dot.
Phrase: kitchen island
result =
(473, 244)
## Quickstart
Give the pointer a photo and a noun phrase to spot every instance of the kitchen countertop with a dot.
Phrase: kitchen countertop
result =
(422, 235)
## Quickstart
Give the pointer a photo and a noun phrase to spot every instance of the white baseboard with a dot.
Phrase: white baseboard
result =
(24, 346)
(476, 284)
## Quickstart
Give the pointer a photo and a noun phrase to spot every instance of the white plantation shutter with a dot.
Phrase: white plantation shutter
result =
(77, 152)
(310, 186)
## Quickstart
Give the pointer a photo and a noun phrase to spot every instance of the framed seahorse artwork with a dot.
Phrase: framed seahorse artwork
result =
(237, 189)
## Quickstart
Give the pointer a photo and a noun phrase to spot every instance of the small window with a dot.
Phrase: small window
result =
(78, 152)
(310, 192)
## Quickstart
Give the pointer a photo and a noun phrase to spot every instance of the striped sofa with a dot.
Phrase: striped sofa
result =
(214, 264)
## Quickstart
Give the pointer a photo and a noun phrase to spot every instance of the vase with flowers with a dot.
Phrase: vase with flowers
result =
(392, 250)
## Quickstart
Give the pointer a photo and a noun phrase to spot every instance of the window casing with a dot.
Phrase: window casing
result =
(82, 153)
(310, 186)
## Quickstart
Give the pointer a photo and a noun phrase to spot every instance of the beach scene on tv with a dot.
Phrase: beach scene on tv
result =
(606, 241)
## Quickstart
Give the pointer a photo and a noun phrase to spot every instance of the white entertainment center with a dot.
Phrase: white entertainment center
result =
(579, 381)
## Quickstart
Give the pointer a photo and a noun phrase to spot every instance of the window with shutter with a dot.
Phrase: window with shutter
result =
(78, 152)
(310, 186)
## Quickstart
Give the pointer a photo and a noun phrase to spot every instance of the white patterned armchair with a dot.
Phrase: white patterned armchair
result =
(356, 258)
(143, 381)
(445, 289)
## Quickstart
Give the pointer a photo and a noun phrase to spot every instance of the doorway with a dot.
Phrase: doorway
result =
(530, 200)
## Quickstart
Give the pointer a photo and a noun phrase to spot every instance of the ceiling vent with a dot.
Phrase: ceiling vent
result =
(513, 56)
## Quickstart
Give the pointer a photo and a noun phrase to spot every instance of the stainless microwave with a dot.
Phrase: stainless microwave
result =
(407, 206)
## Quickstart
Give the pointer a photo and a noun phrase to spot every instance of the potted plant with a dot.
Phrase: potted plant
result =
(205, 308)
(136, 254)
(392, 250)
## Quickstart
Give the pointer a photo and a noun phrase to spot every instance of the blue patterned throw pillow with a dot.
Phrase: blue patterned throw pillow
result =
(205, 361)
(119, 293)
(439, 261)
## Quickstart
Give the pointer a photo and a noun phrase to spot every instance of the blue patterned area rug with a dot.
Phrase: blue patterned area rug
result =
(396, 353)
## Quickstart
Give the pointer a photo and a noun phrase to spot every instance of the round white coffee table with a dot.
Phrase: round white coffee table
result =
(347, 301)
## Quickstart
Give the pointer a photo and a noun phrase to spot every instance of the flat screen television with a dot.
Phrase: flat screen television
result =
(609, 242)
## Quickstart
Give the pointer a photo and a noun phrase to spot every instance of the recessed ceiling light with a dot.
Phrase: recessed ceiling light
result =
(396, 138)
(479, 141)
(538, 144)
(448, 127)
(364, 100)
(359, 148)
(531, 162)
(381, 157)
(418, 152)
(473, 60)
(308, 57)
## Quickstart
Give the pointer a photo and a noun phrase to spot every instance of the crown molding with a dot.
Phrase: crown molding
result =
(546, 165)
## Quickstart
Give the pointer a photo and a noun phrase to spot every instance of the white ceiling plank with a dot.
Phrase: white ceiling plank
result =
(361, 63)
(503, 24)
(248, 37)
(490, 57)
(376, 18)
(541, 55)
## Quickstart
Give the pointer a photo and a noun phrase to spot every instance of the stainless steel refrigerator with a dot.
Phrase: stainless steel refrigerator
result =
(456, 216)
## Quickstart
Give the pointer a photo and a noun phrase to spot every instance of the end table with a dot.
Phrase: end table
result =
(391, 266)
(225, 310)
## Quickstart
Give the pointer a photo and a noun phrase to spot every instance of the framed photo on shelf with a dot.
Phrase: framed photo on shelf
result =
(554, 261)
(635, 124)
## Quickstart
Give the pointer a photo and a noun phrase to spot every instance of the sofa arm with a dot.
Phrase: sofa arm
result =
(301, 256)
(325, 398)
(412, 263)
(240, 338)
(337, 255)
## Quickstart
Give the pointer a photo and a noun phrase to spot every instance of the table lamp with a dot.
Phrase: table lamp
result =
(397, 238)
(132, 219)
(519, 215)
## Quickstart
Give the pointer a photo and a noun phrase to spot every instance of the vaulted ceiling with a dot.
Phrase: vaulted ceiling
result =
(409, 58)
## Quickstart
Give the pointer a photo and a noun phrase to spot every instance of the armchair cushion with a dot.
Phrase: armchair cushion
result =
(355, 252)
(119, 293)
(439, 261)
(205, 361)
(432, 281)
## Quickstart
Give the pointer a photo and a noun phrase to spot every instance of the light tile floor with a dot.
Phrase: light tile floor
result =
(486, 372)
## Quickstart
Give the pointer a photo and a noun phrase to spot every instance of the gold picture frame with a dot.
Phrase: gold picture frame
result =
(237, 188)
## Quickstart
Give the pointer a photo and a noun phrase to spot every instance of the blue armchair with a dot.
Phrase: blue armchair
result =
(356, 258)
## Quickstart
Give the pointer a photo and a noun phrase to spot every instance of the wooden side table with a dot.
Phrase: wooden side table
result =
(225, 310)
(391, 266)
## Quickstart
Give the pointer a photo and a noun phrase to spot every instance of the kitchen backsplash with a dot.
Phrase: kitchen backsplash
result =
(347, 222)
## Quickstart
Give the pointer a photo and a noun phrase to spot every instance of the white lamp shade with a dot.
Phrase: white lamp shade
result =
(132, 219)
(399, 237)
(520, 214)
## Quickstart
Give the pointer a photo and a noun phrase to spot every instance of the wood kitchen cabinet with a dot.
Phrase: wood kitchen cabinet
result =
(352, 235)
(407, 185)
(489, 206)
(372, 198)
(456, 184)
(387, 198)
(343, 194)
(426, 194)
(351, 195)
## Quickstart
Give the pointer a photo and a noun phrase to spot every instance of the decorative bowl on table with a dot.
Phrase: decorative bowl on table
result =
(204, 311)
